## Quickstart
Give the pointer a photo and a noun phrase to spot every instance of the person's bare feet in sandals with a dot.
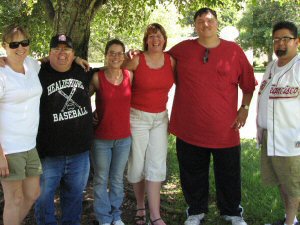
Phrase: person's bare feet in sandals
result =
(158, 221)
(140, 217)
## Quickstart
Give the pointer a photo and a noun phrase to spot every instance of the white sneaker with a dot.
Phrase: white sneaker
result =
(194, 219)
(235, 220)
(105, 224)
(118, 222)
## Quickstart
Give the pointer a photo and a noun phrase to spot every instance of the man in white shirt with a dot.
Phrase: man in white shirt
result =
(278, 119)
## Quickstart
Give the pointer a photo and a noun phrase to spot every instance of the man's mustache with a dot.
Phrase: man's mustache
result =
(280, 52)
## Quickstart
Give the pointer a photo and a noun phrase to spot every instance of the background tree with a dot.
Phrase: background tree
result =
(228, 11)
(167, 15)
(33, 18)
(258, 20)
(116, 22)
(44, 17)
(104, 19)
(73, 18)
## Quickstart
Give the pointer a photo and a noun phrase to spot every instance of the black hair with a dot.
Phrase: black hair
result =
(286, 25)
(202, 11)
(113, 42)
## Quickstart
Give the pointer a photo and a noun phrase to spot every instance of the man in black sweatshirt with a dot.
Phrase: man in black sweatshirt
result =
(65, 134)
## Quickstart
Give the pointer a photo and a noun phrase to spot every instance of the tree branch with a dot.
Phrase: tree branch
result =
(97, 5)
(48, 6)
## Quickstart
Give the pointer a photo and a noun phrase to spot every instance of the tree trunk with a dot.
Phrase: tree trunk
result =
(73, 18)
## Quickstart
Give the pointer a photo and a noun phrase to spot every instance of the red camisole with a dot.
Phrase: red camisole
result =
(113, 107)
(151, 86)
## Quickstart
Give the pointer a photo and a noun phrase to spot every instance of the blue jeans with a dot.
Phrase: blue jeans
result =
(70, 174)
(109, 159)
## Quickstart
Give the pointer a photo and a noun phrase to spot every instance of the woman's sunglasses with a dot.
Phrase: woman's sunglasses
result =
(15, 44)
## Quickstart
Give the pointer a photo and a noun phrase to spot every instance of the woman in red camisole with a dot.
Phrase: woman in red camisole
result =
(153, 78)
(112, 140)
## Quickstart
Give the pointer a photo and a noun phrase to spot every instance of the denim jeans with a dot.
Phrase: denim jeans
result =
(70, 174)
(109, 158)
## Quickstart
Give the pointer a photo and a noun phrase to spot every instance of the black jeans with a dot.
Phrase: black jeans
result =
(194, 175)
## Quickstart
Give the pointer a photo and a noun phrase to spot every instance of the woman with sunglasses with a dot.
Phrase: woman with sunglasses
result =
(153, 78)
(112, 135)
(20, 92)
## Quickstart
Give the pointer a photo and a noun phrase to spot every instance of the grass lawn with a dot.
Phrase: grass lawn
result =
(261, 204)
(259, 69)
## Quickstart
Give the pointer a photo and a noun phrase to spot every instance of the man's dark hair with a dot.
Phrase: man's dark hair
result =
(113, 42)
(286, 25)
(202, 11)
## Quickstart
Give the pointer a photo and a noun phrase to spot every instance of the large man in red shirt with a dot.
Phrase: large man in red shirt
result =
(206, 119)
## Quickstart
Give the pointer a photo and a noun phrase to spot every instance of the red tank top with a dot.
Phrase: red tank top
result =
(113, 107)
(150, 87)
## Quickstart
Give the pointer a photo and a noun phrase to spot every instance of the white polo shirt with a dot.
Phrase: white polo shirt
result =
(19, 107)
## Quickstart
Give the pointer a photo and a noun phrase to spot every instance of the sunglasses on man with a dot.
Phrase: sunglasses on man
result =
(16, 44)
(205, 57)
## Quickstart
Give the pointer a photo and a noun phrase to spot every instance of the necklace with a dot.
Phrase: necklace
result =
(115, 79)
(155, 62)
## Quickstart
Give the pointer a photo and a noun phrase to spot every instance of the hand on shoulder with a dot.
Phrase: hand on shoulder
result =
(133, 52)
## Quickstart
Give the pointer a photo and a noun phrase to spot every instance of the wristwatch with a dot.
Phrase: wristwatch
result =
(245, 106)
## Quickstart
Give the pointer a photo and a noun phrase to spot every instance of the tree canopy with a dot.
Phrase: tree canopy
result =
(126, 19)
(47, 17)
(257, 22)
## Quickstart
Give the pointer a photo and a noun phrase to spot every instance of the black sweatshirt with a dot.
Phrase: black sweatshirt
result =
(65, 112)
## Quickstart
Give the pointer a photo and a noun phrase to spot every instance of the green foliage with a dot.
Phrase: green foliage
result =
(259, 69)
(262, 204)
(13, 12)
(127, 20)
(225, 9)
(116, 18)
(228, 12)
(258, 20)
(167, 15)
(124, 20)
(124, 23)
(32, 18)
(41, 31)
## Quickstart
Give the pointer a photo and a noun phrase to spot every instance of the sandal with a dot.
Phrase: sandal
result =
(140, 220)
(152, 222)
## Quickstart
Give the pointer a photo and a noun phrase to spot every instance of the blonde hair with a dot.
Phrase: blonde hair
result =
(12, 30)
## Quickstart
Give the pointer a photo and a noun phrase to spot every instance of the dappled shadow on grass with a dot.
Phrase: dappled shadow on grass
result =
(261, 204)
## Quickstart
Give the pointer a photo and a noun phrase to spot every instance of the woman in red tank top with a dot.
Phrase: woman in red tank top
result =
(112, 135)
(153, 78)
